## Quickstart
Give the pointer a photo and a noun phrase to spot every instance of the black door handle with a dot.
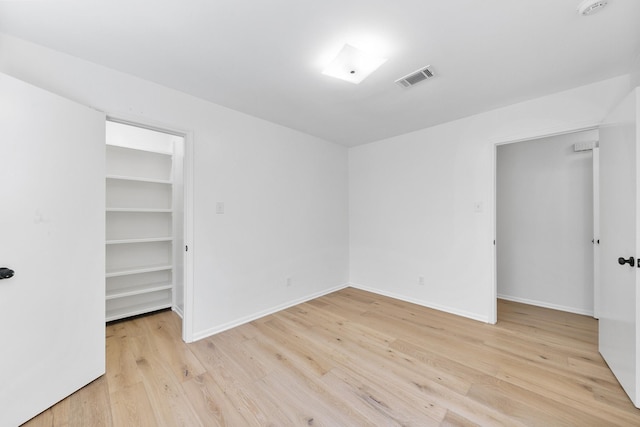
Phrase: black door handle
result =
(6, 273)
(630, 261)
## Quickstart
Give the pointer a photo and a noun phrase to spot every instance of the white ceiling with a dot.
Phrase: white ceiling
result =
(265, 57)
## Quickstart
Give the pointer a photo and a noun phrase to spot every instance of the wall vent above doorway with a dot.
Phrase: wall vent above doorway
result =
(585, 146)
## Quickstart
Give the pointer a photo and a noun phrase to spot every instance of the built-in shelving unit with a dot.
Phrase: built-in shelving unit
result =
(139, 231)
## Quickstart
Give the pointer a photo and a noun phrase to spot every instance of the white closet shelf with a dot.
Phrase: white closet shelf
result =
(134, 310)
(140, 179)
(137, 290)
(144, 150)
(141, 240)
(138, 270)
(140, 210)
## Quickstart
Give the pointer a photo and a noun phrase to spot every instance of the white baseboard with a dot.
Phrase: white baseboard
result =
(246, 319)
(178, 311)
(438, 307)
(547, 305)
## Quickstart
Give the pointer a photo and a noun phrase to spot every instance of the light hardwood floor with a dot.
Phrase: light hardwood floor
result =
(353, 358)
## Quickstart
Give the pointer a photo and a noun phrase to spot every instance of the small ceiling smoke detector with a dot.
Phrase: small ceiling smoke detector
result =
(416, 77)
(589, 7)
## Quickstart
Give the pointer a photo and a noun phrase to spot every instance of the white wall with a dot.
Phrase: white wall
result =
(545, 222)
(411, 211)
(413, 199)
(285, 193)
(635, 72)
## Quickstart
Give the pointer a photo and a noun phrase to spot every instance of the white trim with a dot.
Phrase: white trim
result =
(493, 294)
(547, 305)
(187, 194)
(177, 310)
(596, 232)
(246, 319)
(438, 307)
(547, 132)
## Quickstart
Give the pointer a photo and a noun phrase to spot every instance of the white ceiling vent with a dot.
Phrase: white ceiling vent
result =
(585, 146)
(416, 77)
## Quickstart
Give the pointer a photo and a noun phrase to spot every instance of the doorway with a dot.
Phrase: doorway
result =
(545, 221)
(145, 220)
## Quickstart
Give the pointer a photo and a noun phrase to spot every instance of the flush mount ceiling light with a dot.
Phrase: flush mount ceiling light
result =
(353, 65)
(589, 7)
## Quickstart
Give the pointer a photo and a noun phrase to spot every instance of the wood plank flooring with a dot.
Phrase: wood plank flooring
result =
(353, 358)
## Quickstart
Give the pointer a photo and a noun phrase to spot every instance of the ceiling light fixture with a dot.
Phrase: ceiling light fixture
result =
(589, 7)
(353, 65)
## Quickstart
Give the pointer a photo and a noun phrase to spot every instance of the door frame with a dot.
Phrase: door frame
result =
(494, 144)
(596, 231)
(187, 135)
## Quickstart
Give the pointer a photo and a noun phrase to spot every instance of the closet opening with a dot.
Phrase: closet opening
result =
(145, 221)
(547, 222)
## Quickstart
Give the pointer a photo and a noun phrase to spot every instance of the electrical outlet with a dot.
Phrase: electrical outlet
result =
(421, 280)
(289, 281)
(220, 208)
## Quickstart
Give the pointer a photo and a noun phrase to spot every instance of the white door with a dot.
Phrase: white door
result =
(52, 235)
(619, 229)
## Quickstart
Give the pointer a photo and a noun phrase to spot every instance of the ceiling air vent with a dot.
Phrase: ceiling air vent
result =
(585, 146)
(416, 77)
